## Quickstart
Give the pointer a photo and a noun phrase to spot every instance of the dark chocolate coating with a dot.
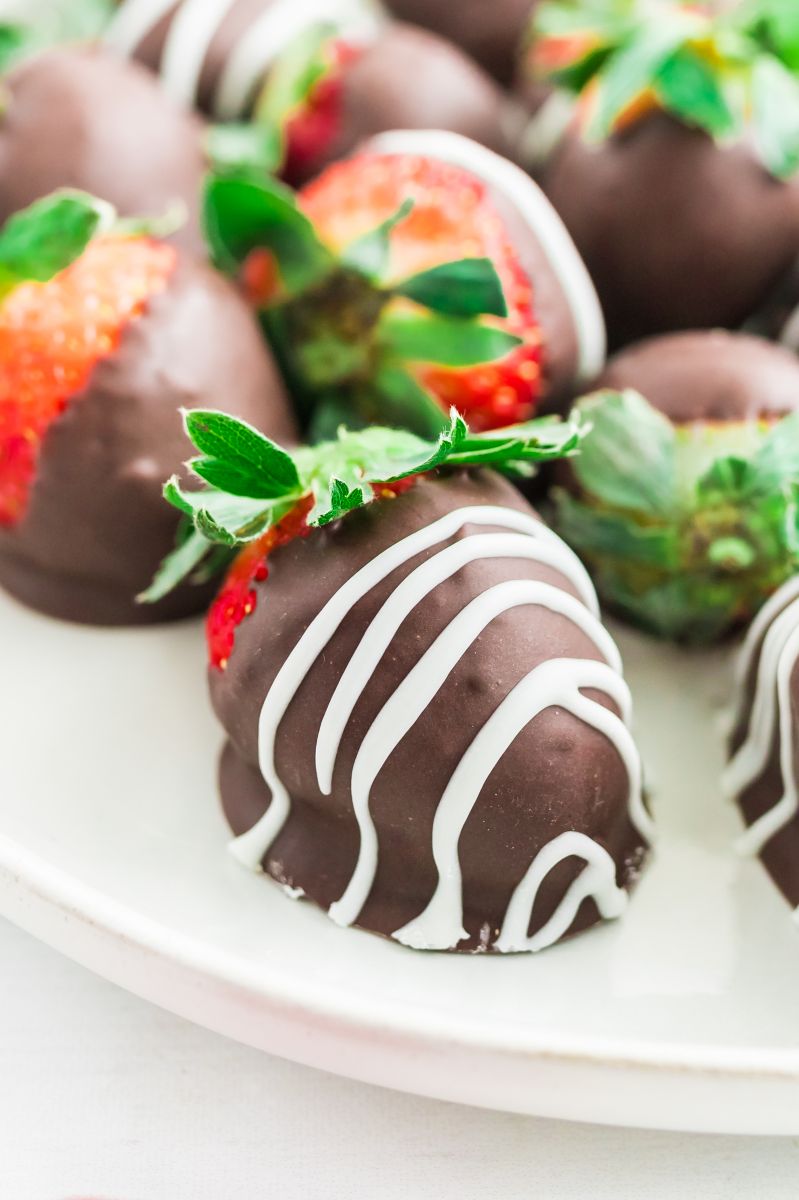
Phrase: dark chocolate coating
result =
(82, 118)
(491, 31)
(708, 376)
(780, 855)
(677, 231)
(97, 526)
(412, 79)
(558, 775)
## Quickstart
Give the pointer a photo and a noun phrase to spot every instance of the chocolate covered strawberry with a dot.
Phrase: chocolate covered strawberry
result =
(677, 174)
(105, 332)
(395, 613)
(312, 79)
(424, 273)
(79, 117)
(685, 500)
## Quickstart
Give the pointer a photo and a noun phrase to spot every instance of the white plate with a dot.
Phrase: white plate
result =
(684, 1015)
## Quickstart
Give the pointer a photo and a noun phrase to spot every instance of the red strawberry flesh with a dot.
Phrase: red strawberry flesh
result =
(453, 217)
(53, 334)
(313, 130)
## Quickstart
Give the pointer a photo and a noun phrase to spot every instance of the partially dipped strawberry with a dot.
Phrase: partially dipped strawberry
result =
(424, 273)
(105, 332)
(684, 502)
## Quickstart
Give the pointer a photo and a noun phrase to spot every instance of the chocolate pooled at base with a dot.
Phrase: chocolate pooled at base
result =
(81, 118)
(97, 526)
(561, 775)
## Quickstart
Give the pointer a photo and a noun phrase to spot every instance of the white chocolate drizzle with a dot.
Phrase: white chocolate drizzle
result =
(133, 21)
(535, 210)
(269, 36)
(776, 632)
(193, 28)
(515, 535)
(196, 23)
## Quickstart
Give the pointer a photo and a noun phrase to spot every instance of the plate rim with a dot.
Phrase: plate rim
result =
(27, 874)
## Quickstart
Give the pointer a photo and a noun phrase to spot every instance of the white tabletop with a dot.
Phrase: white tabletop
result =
(105, 1096)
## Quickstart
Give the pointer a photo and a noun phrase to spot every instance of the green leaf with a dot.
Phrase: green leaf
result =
(697, 565)
(775, 98)
(246, 150)
(342, 499)
(688, 86)
(773, 24)
(337, 476)
(447, 341)
(370, 254)
(178, 565)
(238, 516)
(49, 235)
(247, 455)
(294, 75)
(14, 41)
(628, 458)
(241, 215)
(469, 287)
(38, 25)
(632, 70)
(400, 400)
(777, 460)
(601, 535)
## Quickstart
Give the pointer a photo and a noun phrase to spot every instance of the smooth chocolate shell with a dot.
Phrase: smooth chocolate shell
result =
(677, 231)
(82, 118)
(491, 31)
(558, 775)
(708, 376)
(97, 526)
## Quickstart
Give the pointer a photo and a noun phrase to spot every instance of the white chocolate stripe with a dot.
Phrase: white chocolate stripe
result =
(772, 706)
(536, 210)
(132, 22)
(411, 698)
(597, 879)
(545, 130)
(269, 36)
(751, 758)
(191, 32)
(771, 609)
(254, 54)
(556, 682)
(400, 604)
(250, 847)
